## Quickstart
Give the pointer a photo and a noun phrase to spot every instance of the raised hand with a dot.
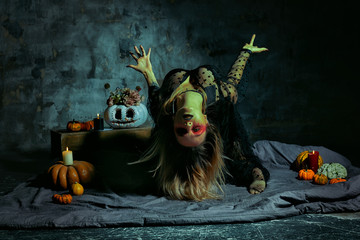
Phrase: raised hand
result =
(250, 46)
(144, 65)
(142, 59)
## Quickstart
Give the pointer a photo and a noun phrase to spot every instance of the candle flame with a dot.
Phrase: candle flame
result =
(98, 116)
(313, 151)
(67, 149)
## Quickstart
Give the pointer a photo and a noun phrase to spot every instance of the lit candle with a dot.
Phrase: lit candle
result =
(98, 123)
(314, 160)
(67, 157)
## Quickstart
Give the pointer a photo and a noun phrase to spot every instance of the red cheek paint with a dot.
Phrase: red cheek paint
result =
(198, 130)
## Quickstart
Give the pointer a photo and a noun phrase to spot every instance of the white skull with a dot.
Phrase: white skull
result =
(120, 116)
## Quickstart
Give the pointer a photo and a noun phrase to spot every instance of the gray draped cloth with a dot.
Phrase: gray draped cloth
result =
(30, 205)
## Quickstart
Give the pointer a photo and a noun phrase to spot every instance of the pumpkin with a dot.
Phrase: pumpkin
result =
(320, 179)
(306, 174)
(62, 198)
(87, 125)
(74, 126)
(77, 189)
(121, 116)
(302, 161)
(333, 170)
(337, 180)
(65, 175)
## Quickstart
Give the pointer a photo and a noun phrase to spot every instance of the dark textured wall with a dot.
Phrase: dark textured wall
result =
(56, 56)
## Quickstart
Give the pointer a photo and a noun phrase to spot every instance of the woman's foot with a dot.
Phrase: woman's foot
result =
(259, 184)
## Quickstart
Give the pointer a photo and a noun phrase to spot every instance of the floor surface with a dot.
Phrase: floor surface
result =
(18, 167)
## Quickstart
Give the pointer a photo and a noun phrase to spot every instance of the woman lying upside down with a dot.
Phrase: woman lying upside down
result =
(199, 140)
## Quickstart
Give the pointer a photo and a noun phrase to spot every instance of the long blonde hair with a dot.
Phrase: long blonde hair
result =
(185, 173)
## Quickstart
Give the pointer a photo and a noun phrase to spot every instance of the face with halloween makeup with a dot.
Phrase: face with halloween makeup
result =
(190, 122)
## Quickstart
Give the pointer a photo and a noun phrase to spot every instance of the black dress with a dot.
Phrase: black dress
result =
(222, 111)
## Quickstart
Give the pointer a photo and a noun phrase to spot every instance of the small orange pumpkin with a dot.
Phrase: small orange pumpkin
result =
(62, 198)
(77, 189)
(320, 179)
(65, 175)
(306, 174)
(337, 180)
(74, 126)
(87, 125)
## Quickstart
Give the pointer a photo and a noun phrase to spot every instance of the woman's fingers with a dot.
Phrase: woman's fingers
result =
(142, 50)
(137, 50)
(143, 53)
(263, 49)
(252, 40)
(133, 67)
(134, 56)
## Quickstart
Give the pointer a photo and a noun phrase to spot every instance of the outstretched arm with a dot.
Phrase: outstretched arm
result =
(144, 65)
(237, 69)
(235, 74)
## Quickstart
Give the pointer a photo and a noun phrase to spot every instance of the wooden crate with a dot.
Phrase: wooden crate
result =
(111, 151)
(86, 141)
